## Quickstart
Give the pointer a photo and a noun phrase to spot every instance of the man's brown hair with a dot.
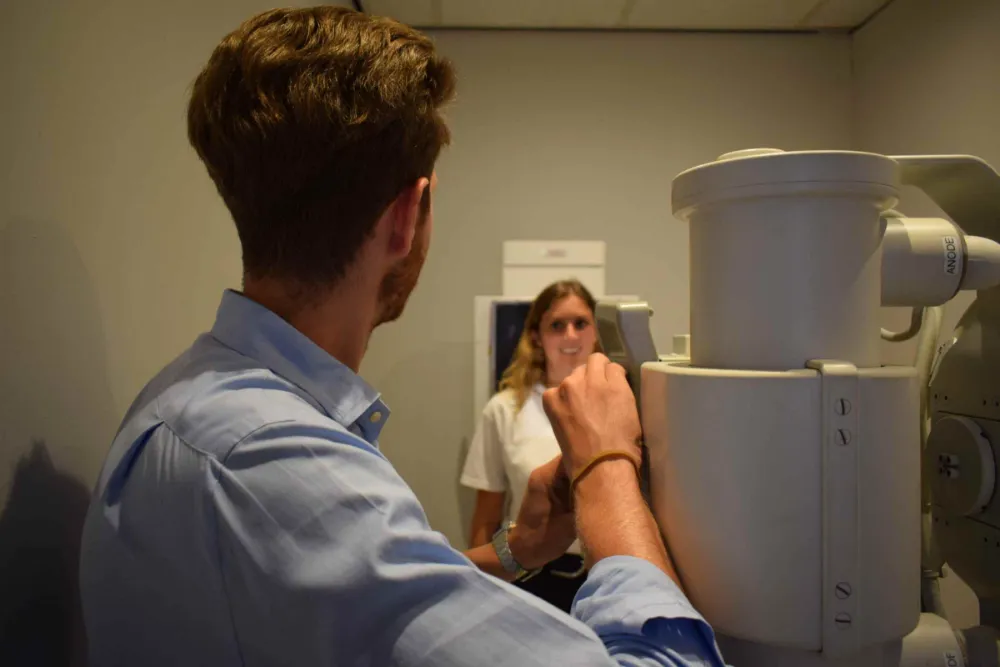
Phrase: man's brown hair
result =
(311, 122)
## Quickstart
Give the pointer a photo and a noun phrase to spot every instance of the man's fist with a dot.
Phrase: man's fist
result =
(593, 411)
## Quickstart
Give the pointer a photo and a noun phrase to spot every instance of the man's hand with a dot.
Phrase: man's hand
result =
(593, 411)
(545, 526)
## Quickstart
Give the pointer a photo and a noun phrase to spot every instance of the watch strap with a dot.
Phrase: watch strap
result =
(501, 545)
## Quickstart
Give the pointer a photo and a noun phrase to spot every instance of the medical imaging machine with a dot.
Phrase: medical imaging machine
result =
(809, 494)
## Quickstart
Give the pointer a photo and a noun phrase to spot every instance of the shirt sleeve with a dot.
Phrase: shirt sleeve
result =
(637, 610)
(484, 463)
(327, 559)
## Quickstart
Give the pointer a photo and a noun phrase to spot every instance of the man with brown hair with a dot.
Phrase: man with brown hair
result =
(244, 515)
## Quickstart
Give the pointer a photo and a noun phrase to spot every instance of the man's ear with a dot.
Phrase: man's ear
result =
(402, 218)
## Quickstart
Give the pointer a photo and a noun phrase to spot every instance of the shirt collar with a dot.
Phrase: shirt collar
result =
(257, 333)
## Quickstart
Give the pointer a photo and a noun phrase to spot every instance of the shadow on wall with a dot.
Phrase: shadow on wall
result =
(39, 553)
(57, 418)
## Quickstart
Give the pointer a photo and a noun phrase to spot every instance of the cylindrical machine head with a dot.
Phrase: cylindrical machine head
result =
(785, 256)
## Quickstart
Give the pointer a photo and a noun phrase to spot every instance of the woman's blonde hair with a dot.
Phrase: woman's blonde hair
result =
(527, 368)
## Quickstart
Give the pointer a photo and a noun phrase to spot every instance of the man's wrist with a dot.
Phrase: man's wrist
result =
(610, 472)
(612, 516)
(577, 462)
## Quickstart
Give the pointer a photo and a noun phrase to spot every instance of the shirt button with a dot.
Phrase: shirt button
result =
(376, 417)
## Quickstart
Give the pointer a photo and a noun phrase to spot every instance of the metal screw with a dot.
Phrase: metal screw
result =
(843, 436)
(842, 407)
(842, 620)
(949, 466)
(843, 590)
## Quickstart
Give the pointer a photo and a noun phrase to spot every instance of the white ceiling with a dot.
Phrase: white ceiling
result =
(630, 14)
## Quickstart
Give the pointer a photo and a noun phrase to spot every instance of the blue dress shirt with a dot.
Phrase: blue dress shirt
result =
(245, 516)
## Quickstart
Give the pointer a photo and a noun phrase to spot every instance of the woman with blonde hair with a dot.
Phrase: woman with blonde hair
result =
(514, 435)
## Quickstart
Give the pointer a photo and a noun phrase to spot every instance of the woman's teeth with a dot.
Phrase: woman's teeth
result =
(570, 350)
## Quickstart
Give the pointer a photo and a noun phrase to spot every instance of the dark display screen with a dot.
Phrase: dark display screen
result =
(507, 329)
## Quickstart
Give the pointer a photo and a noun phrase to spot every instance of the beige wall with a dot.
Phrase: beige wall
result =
(114, 247)
(926, 76)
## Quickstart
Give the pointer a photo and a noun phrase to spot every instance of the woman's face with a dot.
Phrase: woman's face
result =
(567, 337)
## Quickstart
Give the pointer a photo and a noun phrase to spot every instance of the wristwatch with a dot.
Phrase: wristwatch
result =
(502, 546)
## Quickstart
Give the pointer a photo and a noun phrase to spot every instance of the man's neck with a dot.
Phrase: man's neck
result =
(339, 321)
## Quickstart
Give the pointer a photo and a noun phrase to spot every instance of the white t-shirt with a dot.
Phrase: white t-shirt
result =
(509, 444)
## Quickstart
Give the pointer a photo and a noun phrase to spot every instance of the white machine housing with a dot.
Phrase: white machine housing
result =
(784, 459)
(530, 265)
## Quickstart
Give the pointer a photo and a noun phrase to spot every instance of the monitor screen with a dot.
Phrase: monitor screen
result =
(508, 323)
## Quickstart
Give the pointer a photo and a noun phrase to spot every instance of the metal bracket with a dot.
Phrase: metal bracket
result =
(840, 436)
(623, 329)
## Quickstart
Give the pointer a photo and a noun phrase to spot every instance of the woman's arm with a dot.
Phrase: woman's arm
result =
(487, 517)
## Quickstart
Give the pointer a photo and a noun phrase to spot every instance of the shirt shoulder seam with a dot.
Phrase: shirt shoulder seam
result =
(252, 433)
(221, 458)
(222, 461)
